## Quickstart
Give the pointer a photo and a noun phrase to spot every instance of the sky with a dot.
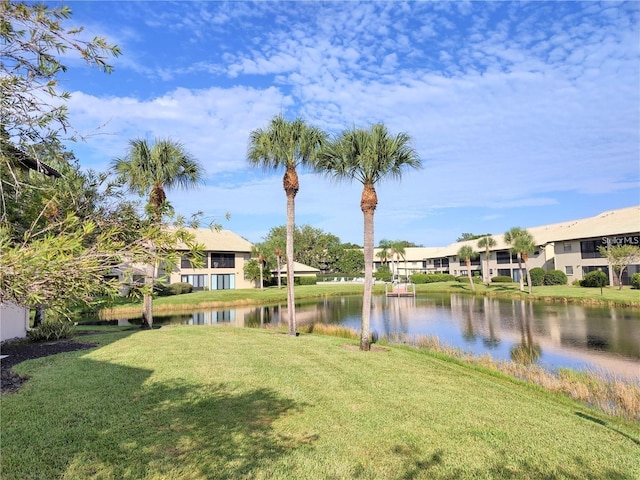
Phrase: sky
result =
(523, 114)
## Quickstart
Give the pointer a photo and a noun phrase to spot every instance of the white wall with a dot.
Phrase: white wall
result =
(14, 321)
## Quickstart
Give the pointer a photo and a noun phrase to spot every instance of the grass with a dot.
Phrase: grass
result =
(611, 296)
(198, 403)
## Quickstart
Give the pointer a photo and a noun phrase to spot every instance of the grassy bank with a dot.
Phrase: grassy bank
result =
(611, 296)
(188, 402)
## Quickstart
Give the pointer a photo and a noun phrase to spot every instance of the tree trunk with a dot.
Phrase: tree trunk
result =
(279, 274)
(38, 318)
(488, 277)
(468, 263)
(520, 276)
(147, 299)
(526, 267)
(261, 282)
(368, 205)
(291, 304)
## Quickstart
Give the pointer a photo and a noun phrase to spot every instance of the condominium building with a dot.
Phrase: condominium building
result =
(571, 247)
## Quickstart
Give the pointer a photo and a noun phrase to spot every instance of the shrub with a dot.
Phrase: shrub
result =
(52, 330)
(537, 276)
(438, 277)
(594, 279)
(502, 279)
(465, 279)
(577, 283)
(179, 288)
(383, 273)
(305, 281)
(161, 289)
(634, 281)
(555, 277)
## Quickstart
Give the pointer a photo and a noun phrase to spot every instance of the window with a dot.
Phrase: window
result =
(223, 282)
(504, 272)
(223, 260)
(567, 247)
(198, 281)
(185, 261)
(589, 248)
(503, 257)
(463, 272)
(568, 270)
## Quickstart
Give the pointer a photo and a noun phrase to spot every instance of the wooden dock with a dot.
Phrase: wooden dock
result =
(400, 290)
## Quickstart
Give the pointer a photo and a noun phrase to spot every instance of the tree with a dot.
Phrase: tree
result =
(350, 261)
(278, 253)
(34, 42)
(620, 257)
(257, 253)
(384, 245)
(398, 252)
(522, 244)
(368, 156)
(467, 253)
(150, 170)
(487, 242)
(286, 144)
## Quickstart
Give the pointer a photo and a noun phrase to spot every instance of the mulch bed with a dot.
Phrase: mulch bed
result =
(19, 352)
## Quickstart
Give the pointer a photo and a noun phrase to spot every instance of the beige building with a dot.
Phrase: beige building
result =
(571, 247)
(225, 255)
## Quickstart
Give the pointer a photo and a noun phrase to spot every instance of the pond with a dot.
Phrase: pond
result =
(605, 340)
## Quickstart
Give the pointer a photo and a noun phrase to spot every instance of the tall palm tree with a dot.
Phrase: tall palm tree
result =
(522, 244)
(150, 170)
(398, 251)
(384, 246)
(278, 253)
(467, 253)
(286, 144)
(256, 251)
(487, 242)
(368, 156)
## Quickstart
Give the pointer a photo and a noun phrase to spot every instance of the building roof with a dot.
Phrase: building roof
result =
(219, 241)
(28, 162)
(297, 268)
(611, 223)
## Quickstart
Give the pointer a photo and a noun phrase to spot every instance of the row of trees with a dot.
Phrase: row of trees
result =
(365, 155)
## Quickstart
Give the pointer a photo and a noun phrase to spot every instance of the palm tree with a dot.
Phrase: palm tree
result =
(278, 253)
(368, 156)
(286, 144)
(397, 250)
(487, 242)
(522, 244)
(467, 253)
(256, 252)
(150, 170)
(384, 246)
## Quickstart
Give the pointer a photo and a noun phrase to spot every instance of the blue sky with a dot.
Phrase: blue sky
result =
(523, 113)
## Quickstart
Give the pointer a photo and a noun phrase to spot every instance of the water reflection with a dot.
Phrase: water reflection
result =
(552, 335)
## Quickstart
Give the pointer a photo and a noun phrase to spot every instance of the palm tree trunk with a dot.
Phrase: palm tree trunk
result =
(520, 276)
(468, 263)
(291, 305)
(147, 299)
(261, 281)
(488, 277)
(526, 267)
(365, 336)
(279, 279)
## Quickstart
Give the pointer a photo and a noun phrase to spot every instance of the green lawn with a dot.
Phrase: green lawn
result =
(221, 402)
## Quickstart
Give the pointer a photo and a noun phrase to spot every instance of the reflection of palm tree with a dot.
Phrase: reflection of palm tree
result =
(526, 352)
(491, 341)
(469, 332)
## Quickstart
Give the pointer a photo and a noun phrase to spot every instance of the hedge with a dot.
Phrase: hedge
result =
(502, 279)
(595, 278)
(554, 277)
(537, 276)
(431, 277)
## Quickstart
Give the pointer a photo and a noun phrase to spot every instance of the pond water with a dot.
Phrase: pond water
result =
(606, 340)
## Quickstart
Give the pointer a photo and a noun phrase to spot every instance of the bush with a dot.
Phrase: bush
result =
(53, 330)
(554, 277)
(179, 288)
(465, 279)
(431, 277)
(577, 283)
(537, 276)
(502, 279)
(594, 279)
(305, 281)
(161, 290)
(383, 273)
(634, 281)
